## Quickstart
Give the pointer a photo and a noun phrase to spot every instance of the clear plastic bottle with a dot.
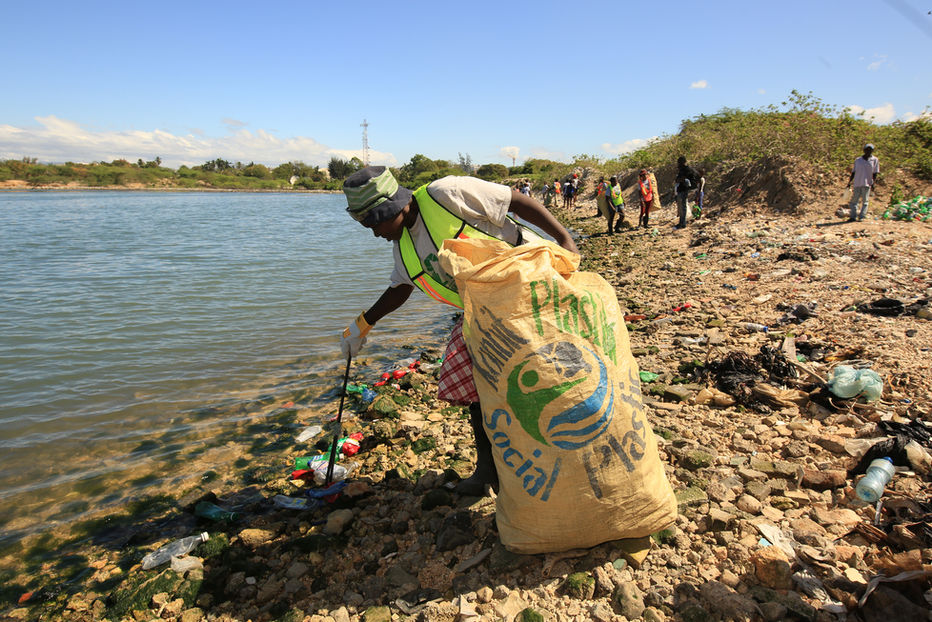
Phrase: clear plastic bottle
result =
(751, 327)
(173, 549)
(879, 474)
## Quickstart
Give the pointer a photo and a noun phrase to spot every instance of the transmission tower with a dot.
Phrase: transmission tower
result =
(365, 142)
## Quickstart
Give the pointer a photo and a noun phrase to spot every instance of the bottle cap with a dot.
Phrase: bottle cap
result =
(205, 536)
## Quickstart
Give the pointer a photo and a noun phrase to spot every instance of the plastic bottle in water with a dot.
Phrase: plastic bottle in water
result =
(751, 327)
(208, 510)
(173, 549)
(871, 486)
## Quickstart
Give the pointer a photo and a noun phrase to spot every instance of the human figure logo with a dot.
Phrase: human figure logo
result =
(570, 428)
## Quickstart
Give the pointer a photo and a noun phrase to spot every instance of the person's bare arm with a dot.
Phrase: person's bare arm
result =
(391, 299)
(536, 214)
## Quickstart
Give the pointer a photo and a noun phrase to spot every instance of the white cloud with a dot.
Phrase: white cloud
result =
(880, 114)
(877, 64)
(912, 116)
(626, 147)
(761, 91)
(61, 140)
(510, 152)
(699, 84)
(543, 153)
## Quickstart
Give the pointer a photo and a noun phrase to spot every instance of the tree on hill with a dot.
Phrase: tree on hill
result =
(491, 172)
(341, 169)
(216, 166)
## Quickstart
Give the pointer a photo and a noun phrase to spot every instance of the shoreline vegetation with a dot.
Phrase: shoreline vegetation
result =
(398, 545)
(802, 128)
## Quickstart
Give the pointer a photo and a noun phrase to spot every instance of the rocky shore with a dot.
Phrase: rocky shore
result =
(759, 451)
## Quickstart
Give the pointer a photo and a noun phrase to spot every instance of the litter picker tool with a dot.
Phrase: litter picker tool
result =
(339, 432)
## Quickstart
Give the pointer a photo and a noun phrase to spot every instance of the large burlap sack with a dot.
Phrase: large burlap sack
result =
(655, 199)
(561, 399)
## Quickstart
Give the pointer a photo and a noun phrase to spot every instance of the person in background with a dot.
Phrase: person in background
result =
(526, 188)
(617, 201)
(863, 174)
(416, 223)
(700, 192)
(557, 189)
(568, 194)
(686, 178)
(575, 188)
(603, 193)
(548, 194)
(646, 192)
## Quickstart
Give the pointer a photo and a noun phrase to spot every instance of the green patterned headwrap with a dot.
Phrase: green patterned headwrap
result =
(374, 196)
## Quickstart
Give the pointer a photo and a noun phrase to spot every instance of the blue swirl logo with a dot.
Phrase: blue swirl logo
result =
(573, 427)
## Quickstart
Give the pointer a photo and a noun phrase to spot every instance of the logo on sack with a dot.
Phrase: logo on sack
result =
(532, 405)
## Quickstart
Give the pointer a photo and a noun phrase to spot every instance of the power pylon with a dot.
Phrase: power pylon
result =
(365, 142)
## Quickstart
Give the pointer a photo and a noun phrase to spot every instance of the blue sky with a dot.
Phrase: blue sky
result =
(193, 81)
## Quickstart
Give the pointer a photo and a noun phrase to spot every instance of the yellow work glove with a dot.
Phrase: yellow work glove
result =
(354, 336)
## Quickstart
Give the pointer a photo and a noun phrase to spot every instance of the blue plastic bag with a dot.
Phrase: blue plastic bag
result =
(847, 382)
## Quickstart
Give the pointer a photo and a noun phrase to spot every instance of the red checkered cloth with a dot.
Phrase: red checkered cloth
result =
(456, 384)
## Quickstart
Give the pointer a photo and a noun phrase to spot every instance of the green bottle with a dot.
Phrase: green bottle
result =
(208, 510)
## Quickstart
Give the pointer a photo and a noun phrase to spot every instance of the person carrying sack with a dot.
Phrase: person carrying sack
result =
(417, 223)
(576, 459)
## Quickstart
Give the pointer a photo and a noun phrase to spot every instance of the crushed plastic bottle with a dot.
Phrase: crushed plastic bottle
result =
(309, 432)
(173, 549)
(847, 382)
(292, 503)
(182, 565)
(316, 467)
(340, 473)
(208, 510)
(879, 474)
(753, 327)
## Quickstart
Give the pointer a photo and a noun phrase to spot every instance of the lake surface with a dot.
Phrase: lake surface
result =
(142, 334)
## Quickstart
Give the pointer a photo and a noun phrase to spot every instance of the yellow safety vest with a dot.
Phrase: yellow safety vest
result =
(441, 225)
(617, 199)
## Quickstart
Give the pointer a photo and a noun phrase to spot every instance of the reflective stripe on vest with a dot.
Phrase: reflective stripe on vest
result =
(441, 224)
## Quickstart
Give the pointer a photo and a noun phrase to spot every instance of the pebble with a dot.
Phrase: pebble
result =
(749, 504)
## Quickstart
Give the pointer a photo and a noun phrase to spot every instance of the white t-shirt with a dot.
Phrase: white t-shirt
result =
(864, 171)
(480, 203)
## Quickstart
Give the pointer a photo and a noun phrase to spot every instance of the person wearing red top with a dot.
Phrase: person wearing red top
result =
(647, 197)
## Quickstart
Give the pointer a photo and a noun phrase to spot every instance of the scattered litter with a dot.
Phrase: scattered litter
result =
(308, 433)
(648, 376)
(295, 503)
(210, 511)
(847, 382)
(918, 208)
(798, 313)
(173, 549)
(888, 307)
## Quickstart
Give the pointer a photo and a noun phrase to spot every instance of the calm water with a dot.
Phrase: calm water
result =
(137, 328)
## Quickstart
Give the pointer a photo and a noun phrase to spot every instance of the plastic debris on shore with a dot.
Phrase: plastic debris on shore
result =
(847, 382)
(918, 208)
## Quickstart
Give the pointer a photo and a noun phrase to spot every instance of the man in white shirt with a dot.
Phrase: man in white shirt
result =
(863, 174)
